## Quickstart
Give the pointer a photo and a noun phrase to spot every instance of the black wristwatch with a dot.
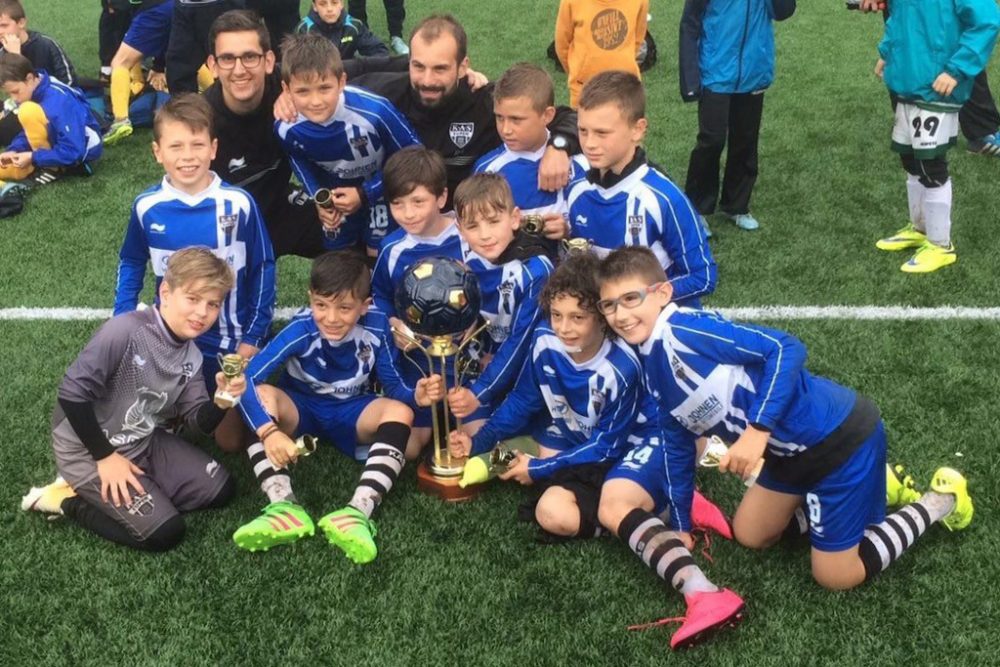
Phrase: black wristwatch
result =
(559, 142)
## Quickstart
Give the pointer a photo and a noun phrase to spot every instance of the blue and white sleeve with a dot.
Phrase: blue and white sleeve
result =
(387, 363)
(679, 454)
(514, 414)
(132, 260)
(396, 134)
(502, 371)
(290, 341)
(695, 272)
(260, 278)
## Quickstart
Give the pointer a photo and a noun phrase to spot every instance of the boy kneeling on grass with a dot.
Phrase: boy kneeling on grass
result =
(122, 475)
(329, 354)
(823, 444)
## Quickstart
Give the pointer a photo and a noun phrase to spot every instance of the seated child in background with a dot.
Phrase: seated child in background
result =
(340, 141)
(624, 200)
(594, 36)
(416, 189)
(329, 356)
(59, 133)
(350, 36)
(122, 475)
(512, 269)
(192, 206)
(147, 36)
(523, 103)
(825, 443)
(43, 52)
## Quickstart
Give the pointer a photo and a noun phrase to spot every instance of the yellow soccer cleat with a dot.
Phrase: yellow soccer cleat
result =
(900, 489)
(930, 257)
(903, 239)
(48, 498)
(949, 480)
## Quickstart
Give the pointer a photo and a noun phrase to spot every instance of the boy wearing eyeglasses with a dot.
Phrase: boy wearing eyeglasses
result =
(339, 142)
(823, 444)
(627, 201)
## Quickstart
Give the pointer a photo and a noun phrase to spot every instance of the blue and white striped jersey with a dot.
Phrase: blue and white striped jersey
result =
(226, 220)
(590, 412)
(646, 209)
(349, 149)
(338, 370)
(710, 376)
(510, 294)
(521, 171)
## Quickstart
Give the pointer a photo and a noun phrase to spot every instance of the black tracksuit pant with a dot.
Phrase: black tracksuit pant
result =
(188, 47)
(395, 12)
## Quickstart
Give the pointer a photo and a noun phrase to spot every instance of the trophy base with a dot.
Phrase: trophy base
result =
(445, 488)
(225, 400)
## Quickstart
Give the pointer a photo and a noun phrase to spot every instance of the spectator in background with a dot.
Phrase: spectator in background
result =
(395, 13)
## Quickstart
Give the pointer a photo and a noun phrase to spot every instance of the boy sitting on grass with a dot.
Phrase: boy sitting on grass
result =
(329, 355)
(122, 475)
(511, 268)
(824, 444)
(58, 132)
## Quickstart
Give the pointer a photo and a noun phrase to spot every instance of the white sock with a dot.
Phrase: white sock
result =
(937, 214)
(915, 191)
(274, 482)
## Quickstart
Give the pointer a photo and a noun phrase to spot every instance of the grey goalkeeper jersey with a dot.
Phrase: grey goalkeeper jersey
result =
(138, 376)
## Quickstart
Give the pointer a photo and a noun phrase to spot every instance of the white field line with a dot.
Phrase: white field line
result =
(880, 313)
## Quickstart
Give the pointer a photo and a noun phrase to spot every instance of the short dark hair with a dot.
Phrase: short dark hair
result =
(435, 25)
(576, 276)
(631, 262)
(526, 80)
(240, 20)
(15, 67)
(615, 87)
(12, 8)
(189, 108)
(483, 193)
(412, 167)
(339, 272)
(309, 53)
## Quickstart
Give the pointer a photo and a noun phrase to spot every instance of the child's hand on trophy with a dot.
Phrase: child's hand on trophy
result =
(402, 335)
(518, 470)
(280, 449)
(429, 390)
(459, 444)
(235, 387)
(462, 402)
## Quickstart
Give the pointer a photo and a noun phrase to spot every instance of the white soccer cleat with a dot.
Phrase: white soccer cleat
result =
(48, 498)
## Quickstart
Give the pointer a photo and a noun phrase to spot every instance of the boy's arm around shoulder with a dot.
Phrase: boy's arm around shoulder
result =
(689, 66)
(980, 21)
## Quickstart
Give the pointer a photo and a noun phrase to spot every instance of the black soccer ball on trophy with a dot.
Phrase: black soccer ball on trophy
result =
(438, 296)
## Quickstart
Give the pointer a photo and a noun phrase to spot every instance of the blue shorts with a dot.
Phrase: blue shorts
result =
(332, 419)
(149, 31)
(846, 501)
(645, 465)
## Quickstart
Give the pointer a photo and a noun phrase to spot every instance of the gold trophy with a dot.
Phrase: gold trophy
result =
(574, 245)
(715, 449)
(305, 445)
(439, 300)
(324, 199)
(232, 366)
(533, 224)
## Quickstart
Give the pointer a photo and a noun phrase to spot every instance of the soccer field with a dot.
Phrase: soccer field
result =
(467, 583)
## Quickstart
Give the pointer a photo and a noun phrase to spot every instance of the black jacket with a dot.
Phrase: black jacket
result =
(351, 36)
(45, 53)
(462, 128)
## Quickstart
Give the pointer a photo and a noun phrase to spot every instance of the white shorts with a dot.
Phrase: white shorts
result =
(923, 133)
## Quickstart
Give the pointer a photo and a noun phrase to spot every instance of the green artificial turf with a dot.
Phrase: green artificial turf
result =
(467, 584)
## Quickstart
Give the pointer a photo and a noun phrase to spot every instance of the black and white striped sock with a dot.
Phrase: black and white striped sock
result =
(274, 482)
(385, 460)
(662, 550)
(885, 542)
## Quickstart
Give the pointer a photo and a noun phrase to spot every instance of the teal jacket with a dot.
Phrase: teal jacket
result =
(924, 38)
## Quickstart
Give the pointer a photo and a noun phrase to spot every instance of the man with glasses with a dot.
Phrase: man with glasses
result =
(249, 154)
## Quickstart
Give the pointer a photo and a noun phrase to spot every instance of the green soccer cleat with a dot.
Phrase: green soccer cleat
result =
(904, 239)
(119, 130)
(949, 480)
(900, 489)
(930, 257)
(282, 522)
(352, 532)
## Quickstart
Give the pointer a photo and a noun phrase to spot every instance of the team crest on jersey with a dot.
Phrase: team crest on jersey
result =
(635, 224)
(228, 222)
(364, 353)
(597, 400)
(187, 370)
(359, 143)
(461, 133)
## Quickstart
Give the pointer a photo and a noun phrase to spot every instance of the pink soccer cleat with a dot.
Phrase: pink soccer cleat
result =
(706, 614)
(706, 515)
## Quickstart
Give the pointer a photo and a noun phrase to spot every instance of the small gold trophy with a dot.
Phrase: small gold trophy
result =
(439, 299)
(232, 366)
(533, 224)
(715, 449)
(305, 445)
(571, 246)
